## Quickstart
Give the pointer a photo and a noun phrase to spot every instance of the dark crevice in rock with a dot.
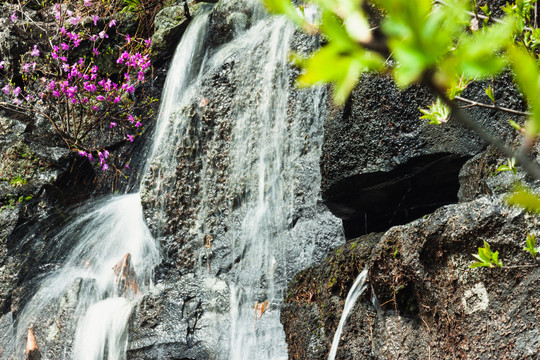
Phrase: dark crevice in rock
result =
(377, 201)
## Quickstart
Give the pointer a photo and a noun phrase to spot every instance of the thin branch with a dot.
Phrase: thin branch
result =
(531, 167)
(483, 17)
(492, 106)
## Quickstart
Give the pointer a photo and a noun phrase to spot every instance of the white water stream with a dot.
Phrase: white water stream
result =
(357, 289)
(86, 289)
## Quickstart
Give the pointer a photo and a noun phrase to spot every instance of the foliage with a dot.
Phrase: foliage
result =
(531, 245)
(436, 113)
(437, 44)
(509, 166)
(486, 257)
(76, 79)
(524, 198)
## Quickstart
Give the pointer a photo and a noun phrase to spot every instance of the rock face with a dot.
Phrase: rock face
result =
(169, 25)
(421, 270)
(384, 166)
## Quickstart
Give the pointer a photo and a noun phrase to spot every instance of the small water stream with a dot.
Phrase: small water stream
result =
(357, 289)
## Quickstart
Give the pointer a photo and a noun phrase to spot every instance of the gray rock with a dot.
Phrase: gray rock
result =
(169, 25)
(384, 166)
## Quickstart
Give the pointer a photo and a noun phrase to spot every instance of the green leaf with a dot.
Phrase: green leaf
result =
(527, 76)
(531, 245)
(284, 7)
(489, 93)
(515, 125)
(478, 264)
(437, 113)
(342, 66)
(487, 257)
(524, 198)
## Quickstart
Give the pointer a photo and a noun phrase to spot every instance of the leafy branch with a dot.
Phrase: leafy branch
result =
(419, 42)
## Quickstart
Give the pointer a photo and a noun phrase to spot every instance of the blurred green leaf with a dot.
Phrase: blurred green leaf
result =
(527, 76)
(489, 93)
(524, 198)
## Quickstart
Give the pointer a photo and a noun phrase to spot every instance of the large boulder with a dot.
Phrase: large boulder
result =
(424, 300)
(382, 165)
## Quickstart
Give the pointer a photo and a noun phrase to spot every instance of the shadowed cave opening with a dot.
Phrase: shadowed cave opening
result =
(377, 201)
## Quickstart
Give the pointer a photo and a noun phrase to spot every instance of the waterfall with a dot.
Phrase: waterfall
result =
(357, 289)
(104, 274)
(251, 143)
(240, 145)
(94, 287)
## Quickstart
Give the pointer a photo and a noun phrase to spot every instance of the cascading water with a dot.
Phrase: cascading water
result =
(254, 148)
(102, 277)
(94, 287)
(239, 144)
(357, 289)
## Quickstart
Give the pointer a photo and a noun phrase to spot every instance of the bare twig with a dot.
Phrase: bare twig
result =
(492, 106)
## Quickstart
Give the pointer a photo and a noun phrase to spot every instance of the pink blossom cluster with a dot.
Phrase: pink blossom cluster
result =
(54, 77)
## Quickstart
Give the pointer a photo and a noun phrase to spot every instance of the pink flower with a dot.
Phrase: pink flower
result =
(93, 38)
(6, 89)
(140, 76)
(104, 167)
(56, 93)
(35, 52)
(131, 119)
(96, 52)
(13, 17)
(95, 19)
(87, 2)
(113, 125)
(17, 102)
(112, 23)
(103, 35)
(100, 98)
(64, 46)
(138, 124)
(75, 20)
(71, 91)
(17, 91)
(26, 67)
(2, 63)
(128, 38)
(148, 42)
(88, 86)
(130, 137)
